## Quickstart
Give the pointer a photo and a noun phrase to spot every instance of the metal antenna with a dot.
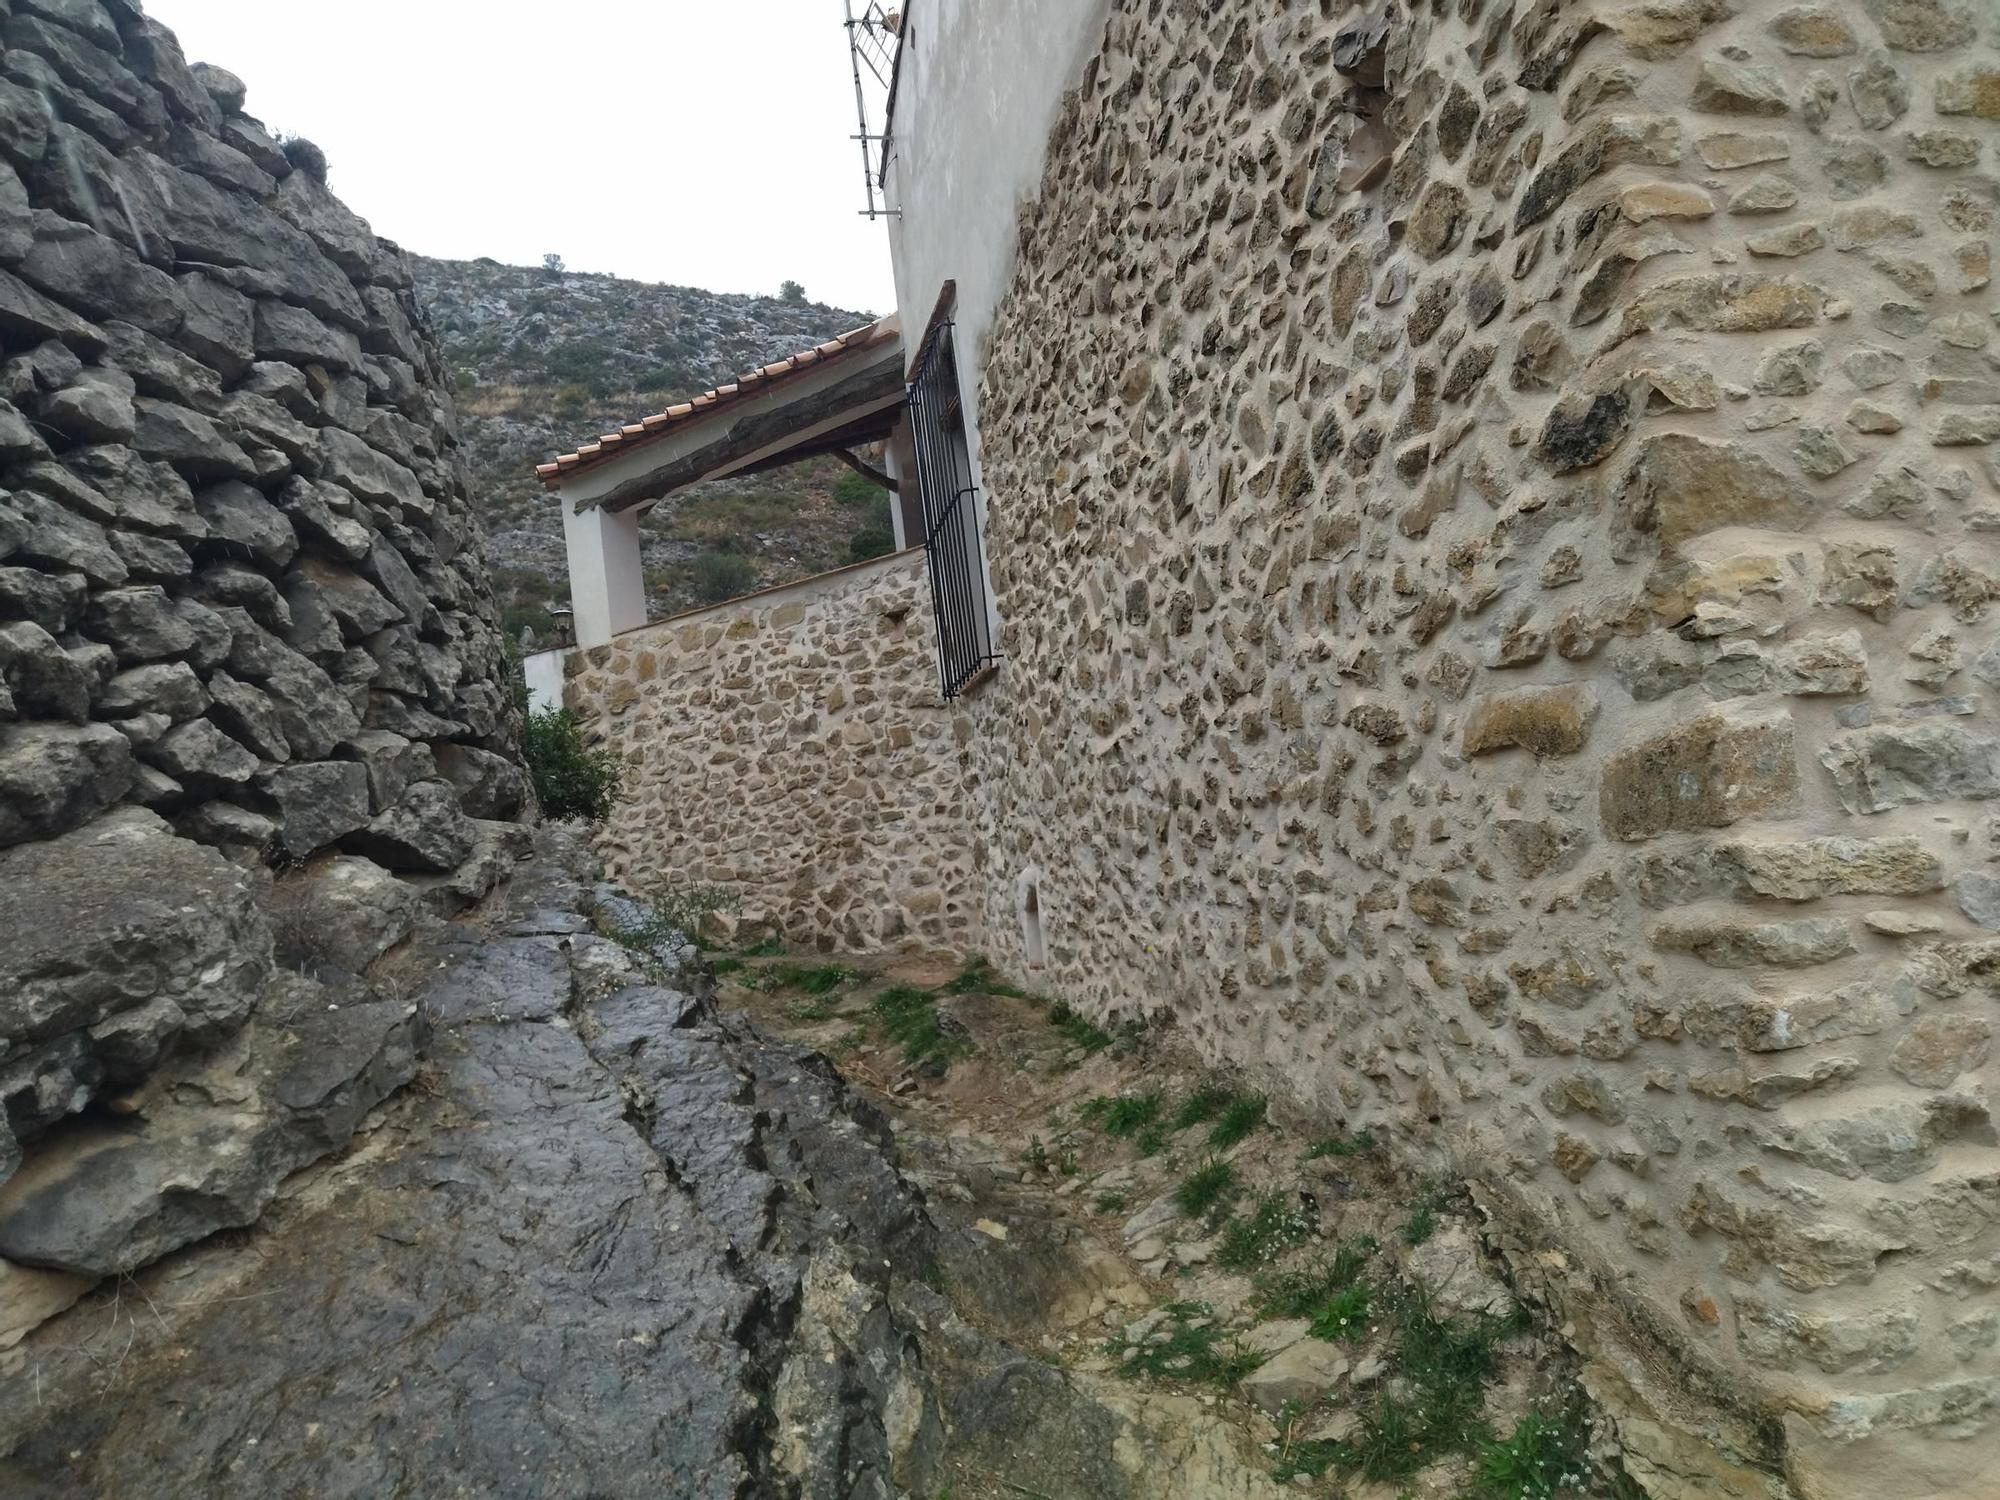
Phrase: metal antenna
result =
(872, 41)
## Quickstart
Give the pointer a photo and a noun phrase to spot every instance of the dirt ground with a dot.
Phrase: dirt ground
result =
(1337, 1326)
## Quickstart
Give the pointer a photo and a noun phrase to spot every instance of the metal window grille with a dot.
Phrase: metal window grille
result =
(951, 514)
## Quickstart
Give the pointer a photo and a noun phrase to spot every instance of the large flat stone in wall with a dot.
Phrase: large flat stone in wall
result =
(1708, 773)
(1680, 486)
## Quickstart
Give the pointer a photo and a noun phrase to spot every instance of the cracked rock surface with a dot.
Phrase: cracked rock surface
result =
(610, 1244)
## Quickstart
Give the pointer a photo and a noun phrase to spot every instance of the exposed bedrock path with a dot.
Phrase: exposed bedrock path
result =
(611, 1244)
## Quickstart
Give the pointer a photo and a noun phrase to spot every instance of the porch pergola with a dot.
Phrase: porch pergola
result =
(832, 398)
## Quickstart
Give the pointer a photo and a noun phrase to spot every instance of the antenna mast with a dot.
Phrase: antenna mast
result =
(872, 40)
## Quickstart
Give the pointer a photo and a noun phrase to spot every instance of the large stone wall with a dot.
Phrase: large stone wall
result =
(245, 625)
(1504, 651)
(791, 750)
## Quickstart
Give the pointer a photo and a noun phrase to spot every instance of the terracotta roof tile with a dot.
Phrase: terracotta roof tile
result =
(615, 444)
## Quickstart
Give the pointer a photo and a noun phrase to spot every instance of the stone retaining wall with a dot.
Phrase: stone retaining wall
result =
(244, 618)
(791, 749)
(1504, 652)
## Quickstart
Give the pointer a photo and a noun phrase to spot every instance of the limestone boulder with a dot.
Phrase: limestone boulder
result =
(1298, 1375)
(1454, 1274)
(202, 758)
(169, 688)
(56, 776)
(425, 832)
(1707, 773)
(489, 785)
(317, 803)
(498, 849)
(29, 1298)
(42, 678)
(140, 624)
(244, 524)
(344, 912)
(211, 1136)
(1680, 486)
(124, 920)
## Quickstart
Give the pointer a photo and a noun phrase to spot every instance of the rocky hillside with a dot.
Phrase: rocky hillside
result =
(544, 359)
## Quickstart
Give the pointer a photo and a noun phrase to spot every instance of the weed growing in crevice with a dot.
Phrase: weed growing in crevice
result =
(1076, 1029)
(1432, 1408)
(1304, 1292)
(1122, 1115)
(1193, 1345)
(815, 979)
(910, 1018)
(1345, 1314)
(1063, 1159)
(1207, 1189)
(722, 966)
(1423, 1220)
(978, 978)
(1339, 1145)
(1244, 1114)
(770, 947)
(1544, 1457)
(1275, 1225)
(1204, 1104)
(1110, 1202)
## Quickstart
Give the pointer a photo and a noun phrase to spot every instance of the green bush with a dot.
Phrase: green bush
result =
(871, 541)
(571, 779)
(857, 489)
(722, 575)
(518, 617)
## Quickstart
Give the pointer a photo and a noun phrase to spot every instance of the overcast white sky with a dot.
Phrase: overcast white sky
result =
(701, 142)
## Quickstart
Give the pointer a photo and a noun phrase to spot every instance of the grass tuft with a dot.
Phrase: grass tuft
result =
(1244, 1114)
(1340, 1145)
(1122, 1115)
(1304, 1292)
(1432, 1409)
(1076, 1029)
(1204, 1104)
(814, 979)
(909, 1017)
(1207, 1188)
(978, 978)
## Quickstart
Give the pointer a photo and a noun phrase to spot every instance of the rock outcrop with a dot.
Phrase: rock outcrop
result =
(625, 1245)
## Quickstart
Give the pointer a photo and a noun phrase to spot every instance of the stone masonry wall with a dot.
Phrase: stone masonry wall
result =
(1502, 645)
(245, 623)
(791, 749)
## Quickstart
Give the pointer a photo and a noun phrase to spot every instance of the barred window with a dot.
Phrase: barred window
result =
(951, 512)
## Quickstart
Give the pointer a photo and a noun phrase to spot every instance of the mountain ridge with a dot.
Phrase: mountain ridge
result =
(543, 359)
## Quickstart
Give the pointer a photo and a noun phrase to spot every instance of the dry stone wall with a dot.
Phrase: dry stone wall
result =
(244, 623)
(1500, 640)
(791, 750)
